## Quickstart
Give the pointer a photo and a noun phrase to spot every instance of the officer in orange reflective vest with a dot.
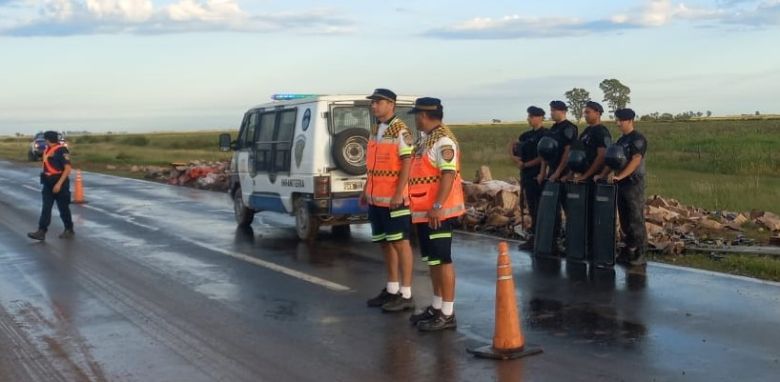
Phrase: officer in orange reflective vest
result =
(56, 187)
(436, 194)
(388, 161)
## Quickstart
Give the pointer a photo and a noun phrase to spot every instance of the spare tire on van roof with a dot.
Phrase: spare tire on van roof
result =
(350, 149)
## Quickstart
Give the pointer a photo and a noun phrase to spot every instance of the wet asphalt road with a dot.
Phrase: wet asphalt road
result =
(160, 286)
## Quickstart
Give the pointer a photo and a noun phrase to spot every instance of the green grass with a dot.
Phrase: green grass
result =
(719, 164)
(97, 151)
(762, 267)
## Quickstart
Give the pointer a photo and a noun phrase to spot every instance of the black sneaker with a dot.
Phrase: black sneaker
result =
(39, 235)
(380, 300)
(440, 322)
(398, 304)
(427, 314)
(67, 234)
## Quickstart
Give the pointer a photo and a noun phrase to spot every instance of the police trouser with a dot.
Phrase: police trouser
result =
(533, 191)
(631, 208)
(62, 199)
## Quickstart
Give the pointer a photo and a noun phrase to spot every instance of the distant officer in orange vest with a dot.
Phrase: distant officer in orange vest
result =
(436, 194)
(56, 187)
(386, 192)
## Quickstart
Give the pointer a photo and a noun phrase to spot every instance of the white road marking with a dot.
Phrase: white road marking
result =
(275, 267)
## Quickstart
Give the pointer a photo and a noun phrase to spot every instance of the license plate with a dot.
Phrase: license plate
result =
(353, 186)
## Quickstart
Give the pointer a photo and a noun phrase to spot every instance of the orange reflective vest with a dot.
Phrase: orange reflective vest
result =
(383, 164)
(48, 169)
(424, 182)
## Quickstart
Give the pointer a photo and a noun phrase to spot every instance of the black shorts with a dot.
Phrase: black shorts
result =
(389, 225)
(436, 245)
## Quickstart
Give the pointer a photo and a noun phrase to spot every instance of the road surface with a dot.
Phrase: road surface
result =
(159, 285)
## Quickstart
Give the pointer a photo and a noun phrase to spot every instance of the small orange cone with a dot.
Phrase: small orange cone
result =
(78, 196)
(508, 340)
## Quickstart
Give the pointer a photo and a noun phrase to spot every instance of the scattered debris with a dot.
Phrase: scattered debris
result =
(494, 206)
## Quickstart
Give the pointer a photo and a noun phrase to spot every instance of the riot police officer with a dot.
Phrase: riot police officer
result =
(527, 159)
(629, 175)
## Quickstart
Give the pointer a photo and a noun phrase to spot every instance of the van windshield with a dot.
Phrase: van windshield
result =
(348, 117)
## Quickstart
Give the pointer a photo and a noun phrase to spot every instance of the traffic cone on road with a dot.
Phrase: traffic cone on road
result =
(78, 196)
(508, 340)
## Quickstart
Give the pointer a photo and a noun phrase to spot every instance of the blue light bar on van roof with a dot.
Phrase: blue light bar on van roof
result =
(290, 96)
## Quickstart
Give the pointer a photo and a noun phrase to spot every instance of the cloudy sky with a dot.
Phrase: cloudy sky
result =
(139, 65)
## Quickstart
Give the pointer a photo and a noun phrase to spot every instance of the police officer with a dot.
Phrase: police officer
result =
(436, 194)
(525, 156)
(386, 191)
(594, 140)
(565, 133)
(56, 187)
(631, 189)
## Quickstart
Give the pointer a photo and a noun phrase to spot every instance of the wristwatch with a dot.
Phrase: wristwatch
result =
(436, 206)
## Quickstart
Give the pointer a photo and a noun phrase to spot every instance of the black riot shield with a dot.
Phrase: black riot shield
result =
(547, 219)
(578, 221)
(603, 225)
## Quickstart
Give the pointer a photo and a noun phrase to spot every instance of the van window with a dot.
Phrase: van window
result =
(249, 129)
(264, 141)
(348, 117)
(283, 145)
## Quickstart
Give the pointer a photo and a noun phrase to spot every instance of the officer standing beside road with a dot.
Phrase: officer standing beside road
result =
(565, 133)
(594, 140)
(388, 163)
(525, 156)
(630, 182)
(436, 194)
(56, 187)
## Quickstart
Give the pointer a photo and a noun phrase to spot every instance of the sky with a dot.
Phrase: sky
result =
(153, 65)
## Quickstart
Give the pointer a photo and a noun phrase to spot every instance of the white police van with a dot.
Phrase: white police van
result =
(304, 155)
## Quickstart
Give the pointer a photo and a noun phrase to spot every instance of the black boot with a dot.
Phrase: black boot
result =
(67, 234)
(39, 235)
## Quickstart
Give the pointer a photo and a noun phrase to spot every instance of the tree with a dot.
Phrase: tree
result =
(616, 95)
(666, 117)
(577, 97)
(757, 113)
(709, 114)
(699, 114)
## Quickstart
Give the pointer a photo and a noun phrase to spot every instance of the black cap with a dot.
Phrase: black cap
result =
(51, 136)
(595, 106)
(625, 114)
(426, 104)
(558, 105)
(385, 94)
(534, 111)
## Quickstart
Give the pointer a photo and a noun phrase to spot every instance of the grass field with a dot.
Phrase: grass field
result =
(714, 164)
(722, 164)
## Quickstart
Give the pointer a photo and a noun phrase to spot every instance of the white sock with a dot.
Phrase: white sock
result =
(437, 302)
(406, 292)
(392, 287)
(447, 307)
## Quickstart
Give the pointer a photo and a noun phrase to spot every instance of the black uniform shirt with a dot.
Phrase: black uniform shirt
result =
(526, 150)
(594, 137)
(635, 143)
(565, 133)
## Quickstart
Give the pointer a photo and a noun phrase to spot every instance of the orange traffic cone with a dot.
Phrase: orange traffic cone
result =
(78, 196)
(508, 340)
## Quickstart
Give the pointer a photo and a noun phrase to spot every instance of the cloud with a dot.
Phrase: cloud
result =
(653, 14)
(78, 17)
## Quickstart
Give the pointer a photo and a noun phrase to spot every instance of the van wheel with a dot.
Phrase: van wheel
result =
(244, 215)
(341, 231)
(349, 150)
(31, 156)
(306, 225)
